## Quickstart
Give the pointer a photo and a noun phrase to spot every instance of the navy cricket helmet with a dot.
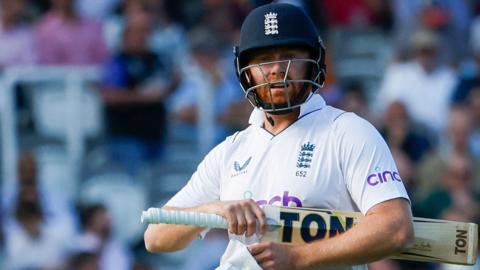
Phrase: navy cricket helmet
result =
(279, 25)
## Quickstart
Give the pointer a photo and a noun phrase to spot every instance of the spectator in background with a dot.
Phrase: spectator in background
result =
(469, 73)
(32, 242)
(206, 73)
(354, 99)
(138, 265)
(419, 81)
(38, 223)
(134, 87)
(97, 239)
(55, 209)
(406, 170)
(98, 9)
(16, 37)
(355, 13)
(83, 261)
(455, 192)
(66, 38)
(400, 133)
(474, 104)
(38, 7)
(221, 17)
(449, 18)
(455, 142)
(168, 38)
(114, 24)
(17, 48)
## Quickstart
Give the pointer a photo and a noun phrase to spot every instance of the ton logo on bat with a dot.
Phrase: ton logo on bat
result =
(335, 227)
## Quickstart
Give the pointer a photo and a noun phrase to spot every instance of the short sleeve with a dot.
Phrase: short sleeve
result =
(370, 173)
(204, 185)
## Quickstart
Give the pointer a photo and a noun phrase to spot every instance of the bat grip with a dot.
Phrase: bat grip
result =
(157, 215)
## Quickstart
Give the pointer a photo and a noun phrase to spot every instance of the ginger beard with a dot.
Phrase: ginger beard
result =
(280, 82)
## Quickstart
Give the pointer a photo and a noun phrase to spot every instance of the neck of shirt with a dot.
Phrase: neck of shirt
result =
(280, 121)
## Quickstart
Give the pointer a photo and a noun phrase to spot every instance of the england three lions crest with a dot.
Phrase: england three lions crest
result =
(271, 24)
(305, 155)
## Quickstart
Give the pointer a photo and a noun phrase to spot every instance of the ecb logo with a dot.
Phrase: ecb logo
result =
(271, 24)
(305, 156)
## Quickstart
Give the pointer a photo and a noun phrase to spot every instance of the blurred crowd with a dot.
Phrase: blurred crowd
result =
(417, 80)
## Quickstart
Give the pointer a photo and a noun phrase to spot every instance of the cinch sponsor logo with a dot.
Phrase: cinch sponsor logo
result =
(383, 177)
(285, 200)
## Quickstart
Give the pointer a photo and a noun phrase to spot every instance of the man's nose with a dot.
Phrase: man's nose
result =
(278, 68)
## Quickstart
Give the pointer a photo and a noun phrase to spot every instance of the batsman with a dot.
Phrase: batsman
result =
(297, 151)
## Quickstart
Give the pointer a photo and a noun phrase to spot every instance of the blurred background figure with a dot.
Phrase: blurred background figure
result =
(469, 72)
(135, 84)
(400, 133)
(474, 103)
(141, 266)
(17, 45)
(64, 37)
(454, 142)
(97, 239)
(83, 261)
(114, 24)
(34, 239)
(52, 209)
(33, 244)
(355, 13)
(355, 100)
(454, 194)
(206, 71)
(168, 39)
(406, 169)
(98, 9)
(419, 80)
(449, 18)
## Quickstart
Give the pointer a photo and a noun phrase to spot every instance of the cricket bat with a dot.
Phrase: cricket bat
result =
(436, 240)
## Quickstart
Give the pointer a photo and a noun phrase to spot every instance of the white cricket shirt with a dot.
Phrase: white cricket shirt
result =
(327, 159)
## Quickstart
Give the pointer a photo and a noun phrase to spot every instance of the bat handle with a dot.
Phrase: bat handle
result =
(157, 215)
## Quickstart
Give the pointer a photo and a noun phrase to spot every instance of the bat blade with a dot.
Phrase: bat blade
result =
(435, 240)
(443, 241)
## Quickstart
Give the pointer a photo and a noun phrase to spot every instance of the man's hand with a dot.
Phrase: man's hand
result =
(276, 256)
(242, 215)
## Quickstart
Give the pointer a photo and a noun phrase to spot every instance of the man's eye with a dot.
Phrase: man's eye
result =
(263, 59)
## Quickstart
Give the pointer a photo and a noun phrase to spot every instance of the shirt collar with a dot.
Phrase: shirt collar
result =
(314, 102)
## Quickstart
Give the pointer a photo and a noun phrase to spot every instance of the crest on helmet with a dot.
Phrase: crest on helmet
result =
(271, 24)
